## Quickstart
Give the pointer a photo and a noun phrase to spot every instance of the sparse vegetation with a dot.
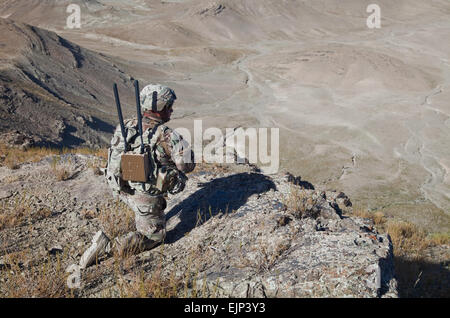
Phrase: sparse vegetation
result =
(12, 157)
(299, 204)
(418, 274)
(44, 280)
(407, 238)
(211, 167)
(116, 219)
(440, 239)
(62, 171)
(19, 210)
(139, 285)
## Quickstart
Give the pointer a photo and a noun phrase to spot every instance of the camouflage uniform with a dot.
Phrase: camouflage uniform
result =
(166, 149)
(169, 150)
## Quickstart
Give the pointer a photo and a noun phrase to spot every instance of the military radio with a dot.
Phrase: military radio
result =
(134, 167)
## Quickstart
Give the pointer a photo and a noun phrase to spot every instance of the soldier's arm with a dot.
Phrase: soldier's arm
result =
(179, 150)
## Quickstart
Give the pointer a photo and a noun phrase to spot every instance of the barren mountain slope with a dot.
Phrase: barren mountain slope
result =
(54, 90)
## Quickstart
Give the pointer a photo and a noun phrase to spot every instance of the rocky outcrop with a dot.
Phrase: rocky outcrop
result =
(260, 248)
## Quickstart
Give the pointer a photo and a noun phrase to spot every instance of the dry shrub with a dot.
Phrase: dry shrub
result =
(96, 164)
(407, 238)
(300, 204)
(62, 171)
(19, 210)
(154, 285)
(13, 157)
(8, 220)
(440, 239)
(417, 274)
(378, 218)
(46, 280)
(15, 211)
(88, 214)
(42, 213)
(116, 219)
(211, 167)
(361, 212)
(164, 283)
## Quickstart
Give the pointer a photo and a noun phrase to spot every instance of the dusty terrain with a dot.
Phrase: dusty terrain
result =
(232, 232)
(312, 251)
(362, 110)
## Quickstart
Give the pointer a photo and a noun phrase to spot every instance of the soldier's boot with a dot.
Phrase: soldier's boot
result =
(133, 243)
(98, 247)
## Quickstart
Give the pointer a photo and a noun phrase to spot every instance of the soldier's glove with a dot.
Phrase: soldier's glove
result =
(177, 182)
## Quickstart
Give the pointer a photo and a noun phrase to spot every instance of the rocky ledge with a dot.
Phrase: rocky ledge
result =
(233, 232)
(248, 241)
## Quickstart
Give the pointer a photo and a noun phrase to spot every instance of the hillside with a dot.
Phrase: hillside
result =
(234, 232)
(54, 91)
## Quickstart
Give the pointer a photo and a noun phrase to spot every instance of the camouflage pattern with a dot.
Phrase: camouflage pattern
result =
(164, 96)
(149, 214)
(132, 243)
(164, 145)
(165, 148)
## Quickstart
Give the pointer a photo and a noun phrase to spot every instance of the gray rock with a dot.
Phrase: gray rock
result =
(4, 194)
(55, 250)
(263, 251)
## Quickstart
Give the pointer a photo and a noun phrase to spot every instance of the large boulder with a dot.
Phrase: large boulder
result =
(245, 241)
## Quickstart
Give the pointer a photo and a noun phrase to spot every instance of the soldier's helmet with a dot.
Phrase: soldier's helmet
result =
(165, 96)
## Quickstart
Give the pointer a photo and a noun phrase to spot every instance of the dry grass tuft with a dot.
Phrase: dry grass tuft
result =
(88, 214)
(300, 204)
(20, 210)
(116, 219)
(211, 167)
(62, 171)
(361, 212)
(13, 157)
(46, 280)
(378, 218)
(407, 238)
(417, 274)
(440, 239)
(155, 285)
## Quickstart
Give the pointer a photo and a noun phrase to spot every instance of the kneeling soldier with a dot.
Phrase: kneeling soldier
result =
(167, 158)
